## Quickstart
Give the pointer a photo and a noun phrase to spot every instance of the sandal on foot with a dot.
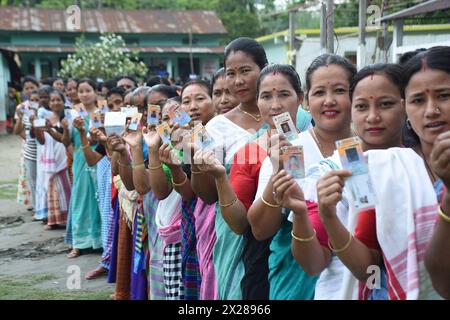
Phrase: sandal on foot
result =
(97, 273)
(74, 253)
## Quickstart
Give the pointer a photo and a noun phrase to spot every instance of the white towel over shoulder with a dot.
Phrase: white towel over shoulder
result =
(406, 213)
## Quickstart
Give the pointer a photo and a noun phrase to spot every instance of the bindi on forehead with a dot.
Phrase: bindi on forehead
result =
(427, 90)
(371, 97)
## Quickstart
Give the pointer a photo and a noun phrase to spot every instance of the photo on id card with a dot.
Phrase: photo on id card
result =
(97, 120)
(135, 121)
(293, 161)
(285, 126)
(153, 114)
(352, 156)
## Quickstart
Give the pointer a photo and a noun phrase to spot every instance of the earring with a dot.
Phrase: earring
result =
(437, 110)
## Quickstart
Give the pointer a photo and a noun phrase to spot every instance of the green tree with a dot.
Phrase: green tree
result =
(105, 59)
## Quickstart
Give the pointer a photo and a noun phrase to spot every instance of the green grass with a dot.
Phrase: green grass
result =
(9, 193)
(24, 289)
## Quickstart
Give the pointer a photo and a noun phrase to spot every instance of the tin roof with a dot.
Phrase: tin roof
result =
(111, 20)
(140, 49)
(424, 7)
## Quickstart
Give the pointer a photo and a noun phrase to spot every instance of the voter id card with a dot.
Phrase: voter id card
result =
(285, 126)
(352, 158)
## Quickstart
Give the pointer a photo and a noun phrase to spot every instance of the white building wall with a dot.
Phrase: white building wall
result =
(347, 45)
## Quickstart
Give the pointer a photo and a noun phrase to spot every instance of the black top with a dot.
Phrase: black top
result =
(101, 149)
(255, 255)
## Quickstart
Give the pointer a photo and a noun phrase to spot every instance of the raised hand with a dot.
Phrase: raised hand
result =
(207, 161)
(329, 192)
(275, 145)
(180, 136)
(168, 156)
(133, 138)
(288, 193)
(440, 158)
(116, 143)
(65, 124)
(98, 134)
(78, 123)
(151, 138)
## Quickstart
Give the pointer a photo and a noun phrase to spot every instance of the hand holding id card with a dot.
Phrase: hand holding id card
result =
(115, 123)
(285, 126)
(201, 137)
(177, 115)
(70, 115)
(293, 161)
(81, 110)
(352, 158)
(97, 120)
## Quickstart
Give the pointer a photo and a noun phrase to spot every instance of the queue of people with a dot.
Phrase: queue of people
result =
(210, 208)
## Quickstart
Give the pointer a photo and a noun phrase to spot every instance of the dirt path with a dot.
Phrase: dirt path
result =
(33, 262)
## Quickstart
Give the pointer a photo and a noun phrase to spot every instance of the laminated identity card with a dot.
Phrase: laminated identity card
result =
(352, 158)
(177, 115)
(97, 119)
(201, 137)
(135, 120)
(153, 114)
(293, 161)
(163, 131)
(130, 111)
(115, 123)
(285, 126)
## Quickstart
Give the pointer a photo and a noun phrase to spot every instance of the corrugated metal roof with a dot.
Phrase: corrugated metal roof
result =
(110, 20)
(53, 49)
(425, 7)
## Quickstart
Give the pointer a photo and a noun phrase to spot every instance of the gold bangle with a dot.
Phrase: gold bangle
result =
(269, 204)
(350, 237)
(228, 204)
(155, 167)
(138, 165)
(303, 239)
(182, 183)
(124, 165)
(443, 216)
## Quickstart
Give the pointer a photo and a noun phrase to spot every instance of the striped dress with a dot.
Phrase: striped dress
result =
(106, 211)
(155, 244)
